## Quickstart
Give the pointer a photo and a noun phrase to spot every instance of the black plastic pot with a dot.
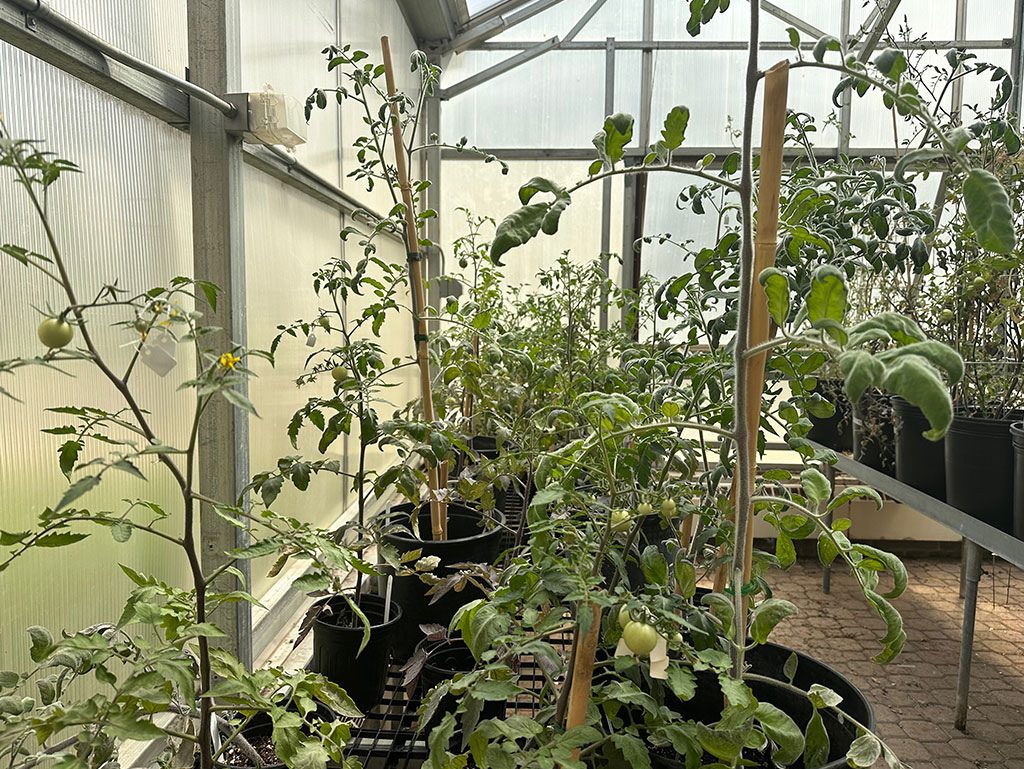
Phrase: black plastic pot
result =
(874, 440)
(468, 542)
(920, 463)
(336, 648)
(769, 660)
(836, 431)
(979, 469)
(1017, 437)
(445, 660)
(652, 532)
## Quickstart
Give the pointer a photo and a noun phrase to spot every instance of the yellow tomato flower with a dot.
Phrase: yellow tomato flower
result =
(228, 361)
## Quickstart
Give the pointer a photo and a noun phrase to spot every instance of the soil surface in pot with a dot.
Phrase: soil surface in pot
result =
(261, 743)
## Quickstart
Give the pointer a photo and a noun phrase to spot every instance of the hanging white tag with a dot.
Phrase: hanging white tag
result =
(158, 351)
(659, 660)
(311, 340)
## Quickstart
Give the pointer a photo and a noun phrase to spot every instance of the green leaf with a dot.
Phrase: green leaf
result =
(737, 692)
(988, 211)
(122, 531)
(794, 37)
(42, 643)
(721, 606)
(827, 550)
(817, 742)
(681, 681)
(10, 679)
(851, 493)
(785, 551)
(517, 228)
(674, 131)
(633, 750)
(824, 44)
(827, 298)
(861, 370)
(815, 485)
(885, 326)
(725, 744)
(823, 697)
(59, 539)
(783, 731)
(864, 752)
(767, 615)
(938, 354)
(776, 287)
(239, 400)
(69, 456)
(894, 637)
(914, 379)
(618, 129)
(914, 158)
(892, 564)
(891, 63)
(77, 489)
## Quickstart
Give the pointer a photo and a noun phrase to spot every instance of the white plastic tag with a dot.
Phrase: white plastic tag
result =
(311, 340)
(158, 351)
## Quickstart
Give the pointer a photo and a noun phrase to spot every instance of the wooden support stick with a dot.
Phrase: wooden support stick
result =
(773, 133)
(438, 508)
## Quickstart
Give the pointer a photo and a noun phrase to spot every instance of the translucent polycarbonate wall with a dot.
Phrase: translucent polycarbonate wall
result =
(553, 104)
(125, 218)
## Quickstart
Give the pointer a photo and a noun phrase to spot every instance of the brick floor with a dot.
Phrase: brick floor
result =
(914, 696)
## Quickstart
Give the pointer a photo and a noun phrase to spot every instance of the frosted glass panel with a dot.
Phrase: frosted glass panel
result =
(935, 19)
(155, 31)
(127, 217)
(281, 47)
(482, 191)
(989, 19)
(621, 19)
(285, 227)
(556, 100)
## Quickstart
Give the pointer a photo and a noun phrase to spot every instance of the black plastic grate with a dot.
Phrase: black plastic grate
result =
(386, 738)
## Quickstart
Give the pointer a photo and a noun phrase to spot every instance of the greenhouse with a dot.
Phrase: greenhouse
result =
(512, 384)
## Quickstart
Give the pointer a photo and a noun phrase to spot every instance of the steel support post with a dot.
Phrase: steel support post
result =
(606, 185)
(845, 112)
(826, 578)
(218, 241)
(1017, 57)
(957, 91)
(963, 680)
(435, 258)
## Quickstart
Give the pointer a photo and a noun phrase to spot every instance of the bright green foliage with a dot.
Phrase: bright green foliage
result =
(988, 210)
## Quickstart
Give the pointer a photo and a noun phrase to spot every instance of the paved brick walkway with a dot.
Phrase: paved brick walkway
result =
(915, 695)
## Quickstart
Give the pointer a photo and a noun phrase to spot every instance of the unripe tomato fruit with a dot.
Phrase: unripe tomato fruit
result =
(624, 617)
(620, 520)
(668, 508)
(946, 316)
(339, 373)
(640, 638)
(644, 509)
(55, 333)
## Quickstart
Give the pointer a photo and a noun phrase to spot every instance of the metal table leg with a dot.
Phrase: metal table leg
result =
(826, 579)
(972, 575)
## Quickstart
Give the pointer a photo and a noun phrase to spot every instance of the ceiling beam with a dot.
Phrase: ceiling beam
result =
(875, 35)
(500, 68)
(485, 30)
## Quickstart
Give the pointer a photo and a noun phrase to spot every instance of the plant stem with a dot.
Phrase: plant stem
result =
(741, 431)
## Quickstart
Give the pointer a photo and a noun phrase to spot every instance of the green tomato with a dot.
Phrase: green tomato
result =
(668, 508)
(620, 521)
(325, 323)
(644, 509)
(55, 333)
(640, 638)
(624, 617)
(946, 316)
(339, 373)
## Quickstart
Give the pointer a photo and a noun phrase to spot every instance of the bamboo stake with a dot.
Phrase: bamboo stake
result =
(438, 508)
(773, 133)
(583, 675)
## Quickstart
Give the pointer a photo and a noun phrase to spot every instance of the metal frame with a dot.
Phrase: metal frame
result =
(978, 537)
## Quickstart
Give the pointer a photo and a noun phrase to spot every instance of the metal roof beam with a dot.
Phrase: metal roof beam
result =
(734, 45)
(485, 30)
(793, 20)
(875, 35)
(500, 68)
(584, 19)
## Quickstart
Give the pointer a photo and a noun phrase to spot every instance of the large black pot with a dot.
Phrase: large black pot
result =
(445, 660)
(874, 441)
(336, 652)
(1017, 437)
(769, 660)
(261, 725)
(653, 531)
(920, 463)
(979, 469)
(468, 542)
(836, 431)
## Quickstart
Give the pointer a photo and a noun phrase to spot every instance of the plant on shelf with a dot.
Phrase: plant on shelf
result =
(157, 669)
(593, 711)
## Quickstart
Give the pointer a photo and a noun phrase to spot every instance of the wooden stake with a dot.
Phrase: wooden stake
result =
(583, 675)
(773, 133)
(438, 508)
